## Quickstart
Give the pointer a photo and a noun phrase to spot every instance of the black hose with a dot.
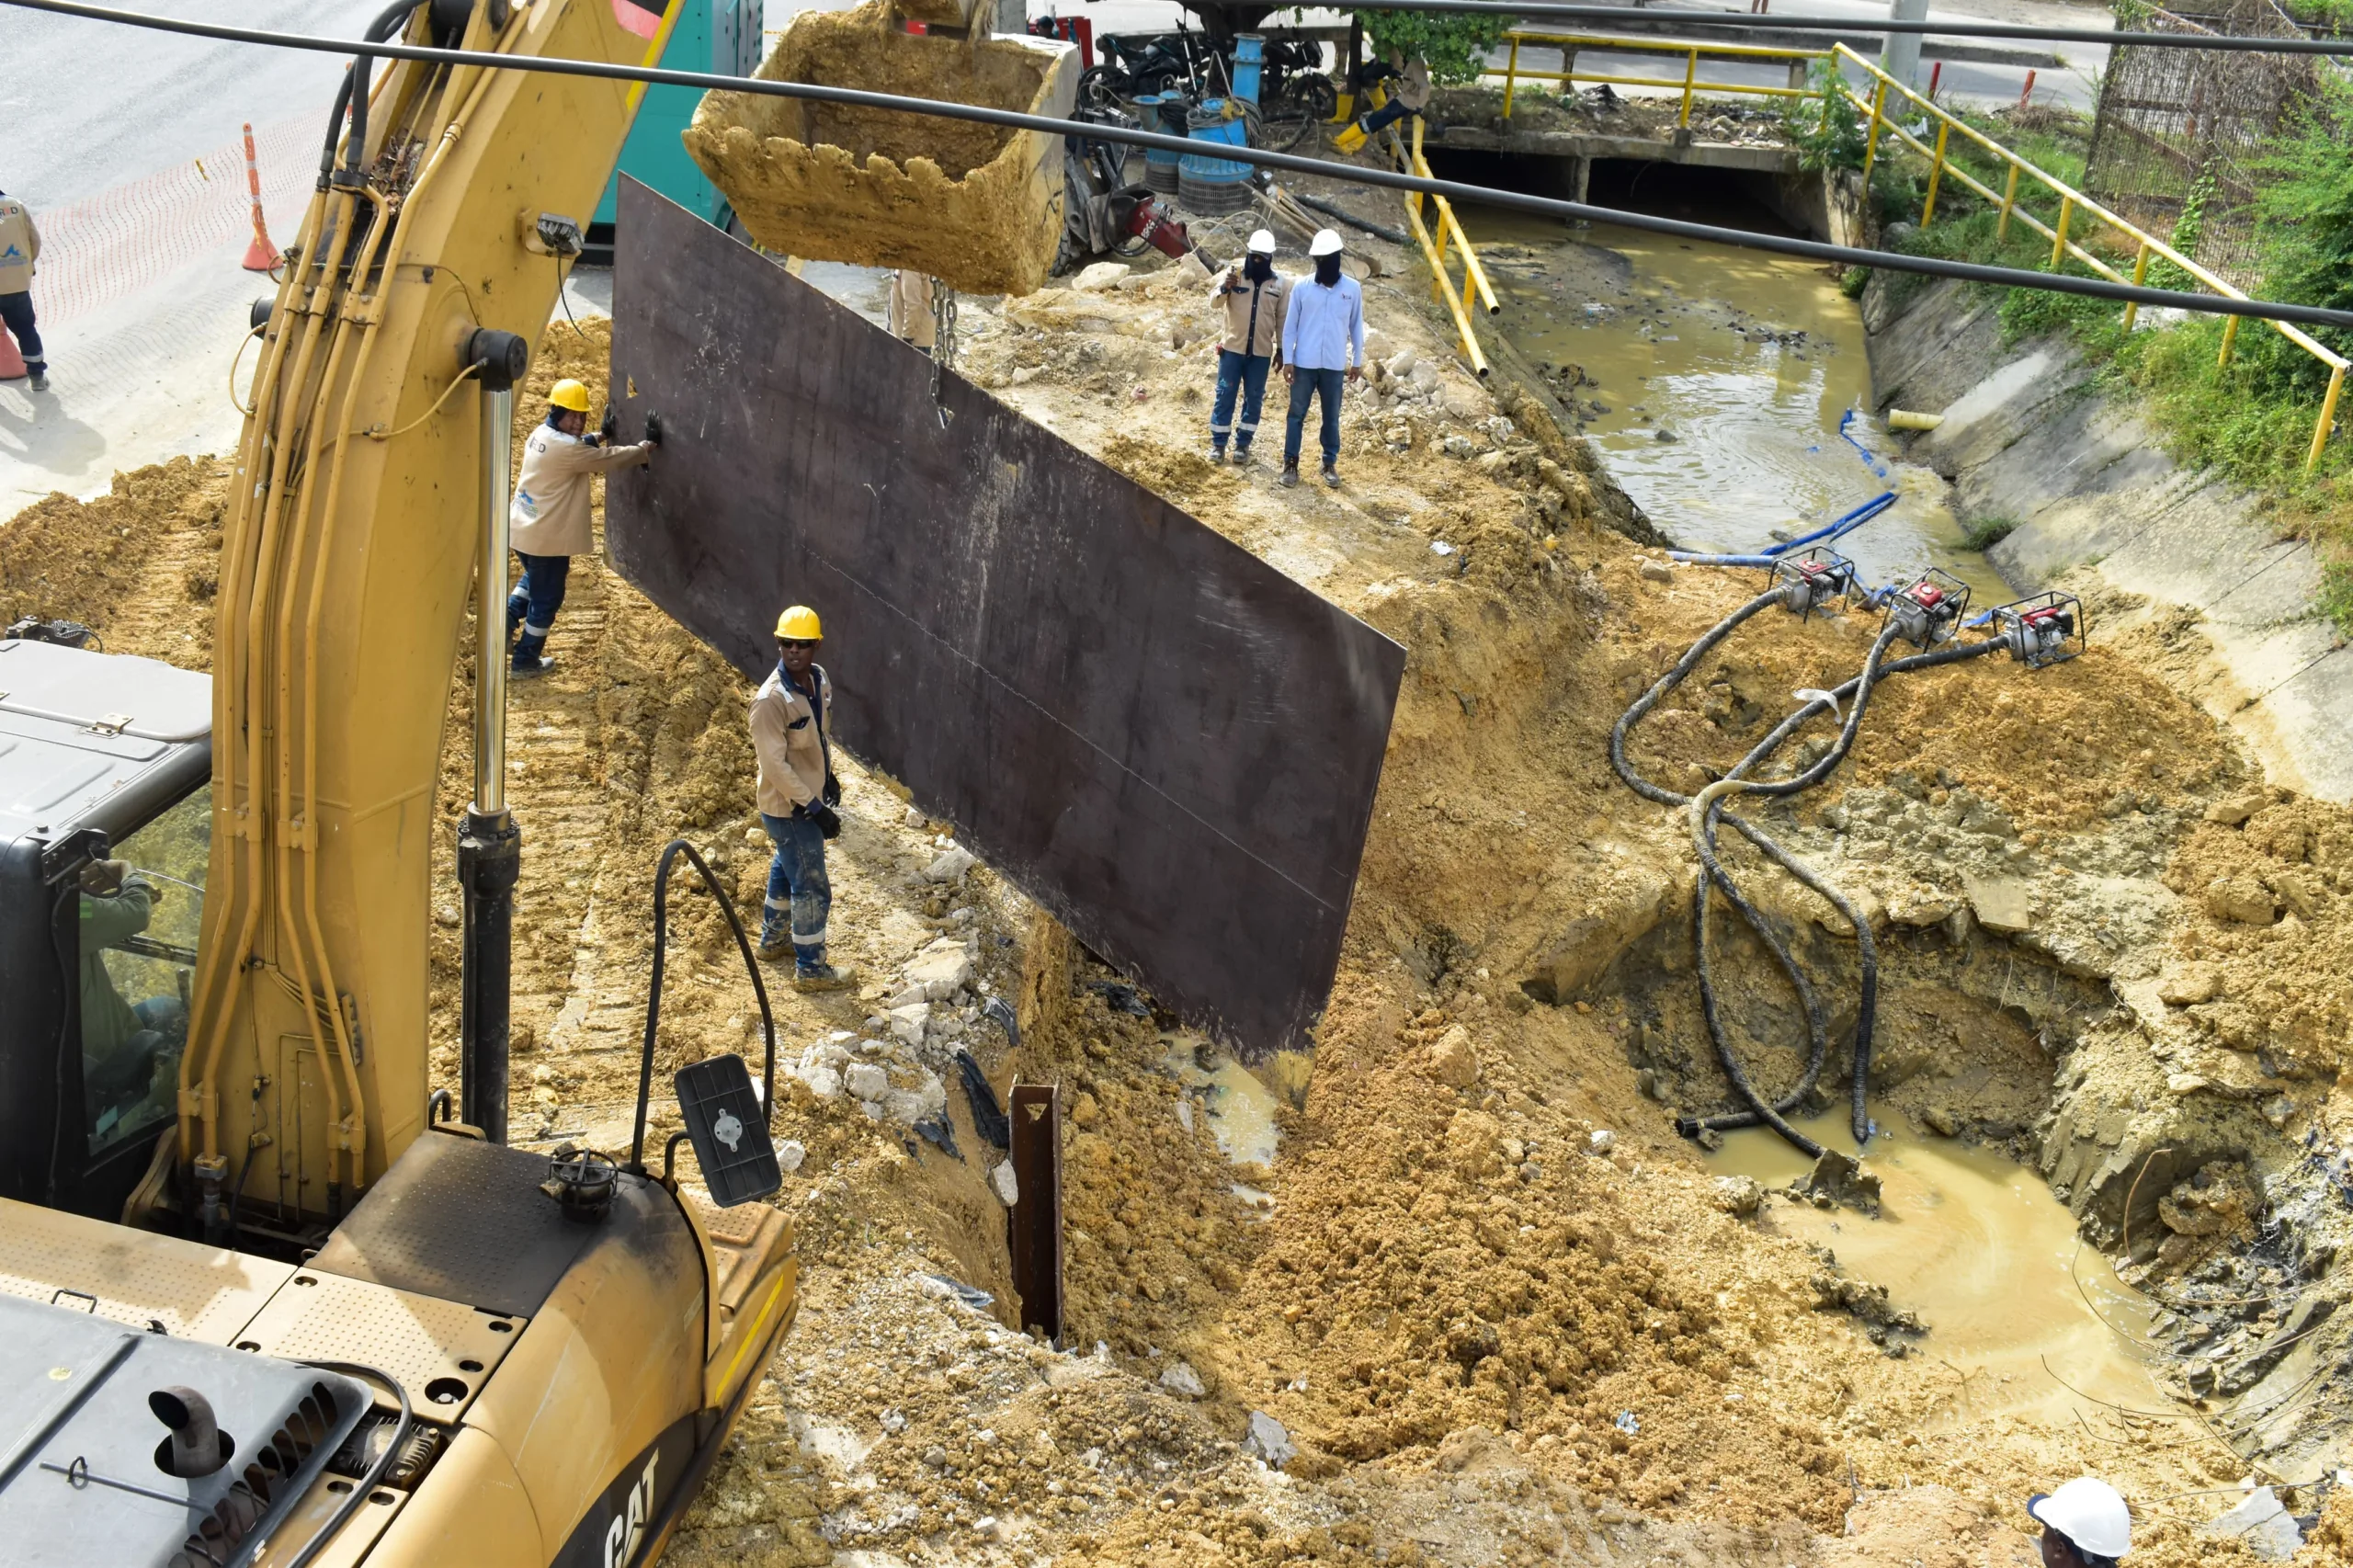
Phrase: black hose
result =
(1334, 209)
(351, 93)
(1714, 876)
(670, 852)
(326, 1532)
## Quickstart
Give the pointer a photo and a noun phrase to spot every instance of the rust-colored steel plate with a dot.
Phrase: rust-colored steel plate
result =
(1156, 735)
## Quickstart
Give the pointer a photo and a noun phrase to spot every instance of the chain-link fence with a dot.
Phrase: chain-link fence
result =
(2177, 129)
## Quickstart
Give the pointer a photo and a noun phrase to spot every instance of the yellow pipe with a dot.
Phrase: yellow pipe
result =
(2140, 271)
(2230, 337)
(2059, 235)
(1936, 177)
(2009, 200)
(1905, 419)
(1462, 321)
(1870, 139)
(2327, 418)
(1511, 76)
(1752, 89)
(1690, 72)
(1612, 42)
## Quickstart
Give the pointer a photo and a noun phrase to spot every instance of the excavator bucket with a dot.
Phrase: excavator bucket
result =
(977, 206)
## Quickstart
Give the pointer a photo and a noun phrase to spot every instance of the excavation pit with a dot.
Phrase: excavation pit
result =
(978, 207)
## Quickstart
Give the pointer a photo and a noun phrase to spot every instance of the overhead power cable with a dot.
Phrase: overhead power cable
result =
(1453, 190)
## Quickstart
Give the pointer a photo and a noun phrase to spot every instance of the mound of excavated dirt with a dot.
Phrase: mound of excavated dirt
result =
(1484, 1306)
(138, 564)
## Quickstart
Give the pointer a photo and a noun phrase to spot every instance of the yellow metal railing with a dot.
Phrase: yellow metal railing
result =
(2072, 203)
(1450, 235)
(1572, 45)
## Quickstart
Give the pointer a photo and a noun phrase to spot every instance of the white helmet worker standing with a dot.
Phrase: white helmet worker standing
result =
(2085, 1524)
(1322, 350)
(1250, 297)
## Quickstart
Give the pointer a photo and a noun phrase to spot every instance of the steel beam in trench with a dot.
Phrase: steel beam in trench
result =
(1157, 736)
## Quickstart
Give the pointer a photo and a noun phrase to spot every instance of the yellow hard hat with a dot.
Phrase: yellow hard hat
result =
(799, 624)
(569, 394)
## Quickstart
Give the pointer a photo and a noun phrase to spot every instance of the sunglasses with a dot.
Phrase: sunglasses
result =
(796, 643)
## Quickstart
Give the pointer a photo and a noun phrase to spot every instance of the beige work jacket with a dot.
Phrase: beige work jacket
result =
(550, 515)
(20, 246)
(1244, 334)
(790, 742)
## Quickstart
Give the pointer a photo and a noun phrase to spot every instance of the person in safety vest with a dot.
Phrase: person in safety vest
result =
(548, 523)
(793, 721)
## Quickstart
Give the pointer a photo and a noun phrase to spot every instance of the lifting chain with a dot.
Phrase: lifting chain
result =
(943, 341)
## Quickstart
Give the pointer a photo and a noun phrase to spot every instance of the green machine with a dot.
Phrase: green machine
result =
(723, 36)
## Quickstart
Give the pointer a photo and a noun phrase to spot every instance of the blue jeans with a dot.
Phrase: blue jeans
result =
(1246, 374)
(534, 601)
(1304, 385)
(798, 890)
(1384, 116)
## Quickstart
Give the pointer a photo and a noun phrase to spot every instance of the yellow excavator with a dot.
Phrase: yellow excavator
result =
(261, 1301)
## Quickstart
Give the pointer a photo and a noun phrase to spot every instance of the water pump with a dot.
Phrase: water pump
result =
(1930, 610)
(2049, 629)
(1813, 581)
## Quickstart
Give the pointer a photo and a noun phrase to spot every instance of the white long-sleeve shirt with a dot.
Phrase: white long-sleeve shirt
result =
(1324, 328)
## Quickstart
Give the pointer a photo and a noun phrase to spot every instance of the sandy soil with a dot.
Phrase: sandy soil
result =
(1488, 1333)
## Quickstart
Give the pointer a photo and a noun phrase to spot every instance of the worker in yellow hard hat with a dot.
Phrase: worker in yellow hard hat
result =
(792, 715)
(548, 522)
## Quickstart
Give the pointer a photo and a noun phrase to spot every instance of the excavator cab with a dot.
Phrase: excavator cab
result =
(103, 757)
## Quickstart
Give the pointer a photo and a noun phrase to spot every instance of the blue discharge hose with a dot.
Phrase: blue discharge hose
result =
(1830, 532)
(1871, 458)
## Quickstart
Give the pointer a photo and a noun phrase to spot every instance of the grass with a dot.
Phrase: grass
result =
(2250, 420)
(1983, 534)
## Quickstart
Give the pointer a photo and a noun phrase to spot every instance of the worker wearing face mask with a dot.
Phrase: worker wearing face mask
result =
(1323, 351)
(1251, 292)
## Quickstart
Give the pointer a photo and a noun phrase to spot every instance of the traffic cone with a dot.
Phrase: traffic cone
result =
(260, 255)
(12, 364)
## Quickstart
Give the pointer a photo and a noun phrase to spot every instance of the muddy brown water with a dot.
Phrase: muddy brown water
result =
(1976, 1245)
(1715, 383)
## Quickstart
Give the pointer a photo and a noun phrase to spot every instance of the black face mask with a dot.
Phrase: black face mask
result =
(1258, 269)
(1327, 270)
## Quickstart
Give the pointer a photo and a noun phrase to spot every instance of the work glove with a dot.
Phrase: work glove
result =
(611, 428)
(828, 821)
(103, 877)
(832, 791)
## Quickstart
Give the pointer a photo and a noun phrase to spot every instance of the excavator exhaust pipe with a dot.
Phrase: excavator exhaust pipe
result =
(490, 847)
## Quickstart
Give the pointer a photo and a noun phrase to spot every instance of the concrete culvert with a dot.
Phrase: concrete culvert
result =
(977, 206)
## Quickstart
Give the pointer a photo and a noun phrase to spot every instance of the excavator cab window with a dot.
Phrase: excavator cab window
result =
(138, 963)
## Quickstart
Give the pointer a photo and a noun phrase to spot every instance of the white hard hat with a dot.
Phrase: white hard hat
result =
(2092, 1514)
(1262, 242)
(1326, 242)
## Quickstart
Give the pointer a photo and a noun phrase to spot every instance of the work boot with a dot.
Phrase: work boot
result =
(1290, 476)
(1331, 476)
(1354, 137)
(529, 667)
(773, 950)
(1242, 457)
(40, 380)
(822, 977)
(1217, 451)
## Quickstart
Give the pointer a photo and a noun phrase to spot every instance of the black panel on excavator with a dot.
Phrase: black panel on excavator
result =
(461, 1221)
(1161, 738)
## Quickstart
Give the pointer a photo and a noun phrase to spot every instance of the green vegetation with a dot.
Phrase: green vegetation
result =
(1854, 280)
(1454, 46)
(1824, 126)
(2250, 420)
(1984, 533)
